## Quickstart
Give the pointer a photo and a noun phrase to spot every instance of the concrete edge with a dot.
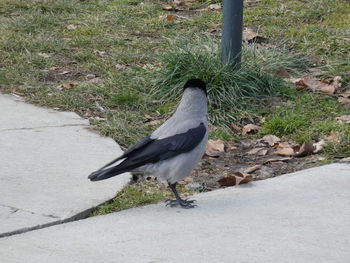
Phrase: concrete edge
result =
(81, 215)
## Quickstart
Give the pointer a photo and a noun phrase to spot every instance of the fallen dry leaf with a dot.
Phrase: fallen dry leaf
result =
(318, 86)
(271, 139)
(344, 118)
(214, 7)
(305, 150)
(319, 146)
(293, 80)
(120, 67)
(215, 148)
(250, 128)
(236, 127)
(249, 142)
(16, 93)
(214, 29)
(336, 81)
(90, 76)
(170, 17)
(153, 123)
(44, 55)
(252, 169)
(68, 85)
(173, 8)
(232, 148)
(345, 160)
(262, 152)
(308, 148)
(14, 14)
(64, 72)
(101, 53)
(284, 149)
(334, 137)
(283, 159)
(258, 151)
(282, 73)
(254, 151)
(187, 180)
(98, 118)
(212, 127)
(147, 66)
(176, 2)
(95, 80)
(151, 117)
(343, 100)
(345, 94)
(250, 36)
(235, 179)
(71, 27)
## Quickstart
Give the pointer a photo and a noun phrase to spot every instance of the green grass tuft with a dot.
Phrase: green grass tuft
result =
(128, 98)
(234, 94)
(130, 196)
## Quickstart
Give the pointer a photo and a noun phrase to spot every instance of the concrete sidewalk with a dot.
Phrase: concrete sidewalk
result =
(300, 217)
(45, 158)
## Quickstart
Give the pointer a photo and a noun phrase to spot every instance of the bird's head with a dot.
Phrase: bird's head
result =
(196, 83)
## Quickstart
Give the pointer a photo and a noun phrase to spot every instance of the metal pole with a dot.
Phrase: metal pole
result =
(232, 27)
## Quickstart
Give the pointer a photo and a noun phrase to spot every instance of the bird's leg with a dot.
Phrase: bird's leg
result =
(178, 201)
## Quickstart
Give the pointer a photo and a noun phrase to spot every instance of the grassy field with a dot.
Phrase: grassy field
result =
(103, 59)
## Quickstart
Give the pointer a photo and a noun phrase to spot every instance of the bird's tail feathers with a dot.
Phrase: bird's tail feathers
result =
(103, 174)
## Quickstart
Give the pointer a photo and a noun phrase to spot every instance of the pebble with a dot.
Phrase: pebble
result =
(264, 172)
(194, 186)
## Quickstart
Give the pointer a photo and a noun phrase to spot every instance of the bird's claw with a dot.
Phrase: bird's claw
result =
(182, 203)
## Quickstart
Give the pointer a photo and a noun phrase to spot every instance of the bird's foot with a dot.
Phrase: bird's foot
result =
(181, 202)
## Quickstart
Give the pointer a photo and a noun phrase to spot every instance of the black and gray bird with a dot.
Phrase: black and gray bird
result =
(173, 150)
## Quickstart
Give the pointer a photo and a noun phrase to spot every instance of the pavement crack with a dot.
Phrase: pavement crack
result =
(15, 209)
(44, 127)
(52, 216)
(82, 215)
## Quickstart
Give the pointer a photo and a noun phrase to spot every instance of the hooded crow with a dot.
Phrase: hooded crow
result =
(173, 150)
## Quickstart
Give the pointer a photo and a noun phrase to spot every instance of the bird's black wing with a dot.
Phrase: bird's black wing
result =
(139, 145)
(154, 151)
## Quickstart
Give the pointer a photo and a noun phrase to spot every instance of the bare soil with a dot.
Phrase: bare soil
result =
(210, 169)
